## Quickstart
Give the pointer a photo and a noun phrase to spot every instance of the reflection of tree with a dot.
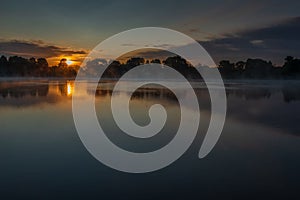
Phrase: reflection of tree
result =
(250, 93)
(66, 88)
(140, 93)
(103, 92)
(21, 91)
(242, 91)
(291, 93)
(154, 93)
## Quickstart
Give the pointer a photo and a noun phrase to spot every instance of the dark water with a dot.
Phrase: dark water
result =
(257, 156)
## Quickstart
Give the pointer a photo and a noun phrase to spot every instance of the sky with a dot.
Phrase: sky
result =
(233, 30)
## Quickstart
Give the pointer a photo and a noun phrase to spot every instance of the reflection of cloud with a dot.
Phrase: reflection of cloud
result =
(35, 49)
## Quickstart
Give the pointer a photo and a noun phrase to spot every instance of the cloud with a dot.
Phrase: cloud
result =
(36, 48)
(257, 42)
(147, 54)
(148, 45)
(274, 43)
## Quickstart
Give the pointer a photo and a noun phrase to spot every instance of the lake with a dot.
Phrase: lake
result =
(257, 155)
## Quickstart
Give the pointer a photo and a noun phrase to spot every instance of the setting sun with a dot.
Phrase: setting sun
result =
(69, 62)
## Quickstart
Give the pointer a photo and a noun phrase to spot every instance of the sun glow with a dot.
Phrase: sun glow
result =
(69, 62)
(69, 89)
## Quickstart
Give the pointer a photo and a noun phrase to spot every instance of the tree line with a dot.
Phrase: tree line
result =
(260, 69)
(16, 66)
(249, 69)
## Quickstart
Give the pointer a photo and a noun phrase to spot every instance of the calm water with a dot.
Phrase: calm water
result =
(257, 156)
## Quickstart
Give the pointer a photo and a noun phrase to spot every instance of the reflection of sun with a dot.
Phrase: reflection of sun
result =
(69, 62)
(69, 89)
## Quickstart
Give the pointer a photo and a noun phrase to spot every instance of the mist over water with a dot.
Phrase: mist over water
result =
(42, 155)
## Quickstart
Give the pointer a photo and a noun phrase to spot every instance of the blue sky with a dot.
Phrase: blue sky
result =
(223, 27)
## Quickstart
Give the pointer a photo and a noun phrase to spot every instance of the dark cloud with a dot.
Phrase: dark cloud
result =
(147, 54)
(272, 43)
(34, 49)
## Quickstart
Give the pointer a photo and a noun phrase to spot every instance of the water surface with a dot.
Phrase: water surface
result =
(257, 155)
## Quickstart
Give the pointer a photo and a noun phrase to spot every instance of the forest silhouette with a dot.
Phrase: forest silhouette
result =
(16, 66)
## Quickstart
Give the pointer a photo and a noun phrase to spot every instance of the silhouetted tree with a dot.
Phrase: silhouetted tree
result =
(157, 61)
(226, 68)
(63, 63)
(251, 69)
(32, 61)
(41, 67)
(177, 63)
(3, 66)
(291, 67)
(18, 66)
(114, 70)
(258, 69)
(240, 66)
(42, 63)
(133, 62)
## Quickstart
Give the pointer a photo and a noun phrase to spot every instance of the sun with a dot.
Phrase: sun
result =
(69, 62)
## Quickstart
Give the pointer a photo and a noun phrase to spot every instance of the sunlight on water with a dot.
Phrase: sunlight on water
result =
(69, 89)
